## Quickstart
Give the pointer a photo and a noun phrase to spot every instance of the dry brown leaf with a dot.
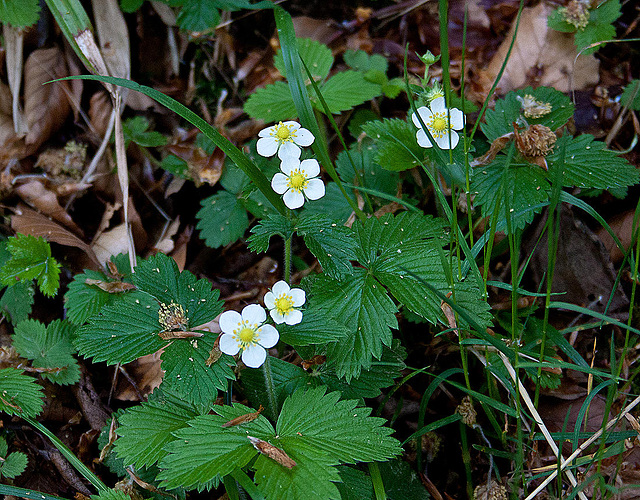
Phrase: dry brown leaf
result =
(38, 196)
(111, 286)
(100, 109)
(46, 106)
(27, 221)
(13, 43)
(166, 244)
(540, 56)
(243, 419)
(113, 36)
(146, 373)
(272, 452)
(111, 242)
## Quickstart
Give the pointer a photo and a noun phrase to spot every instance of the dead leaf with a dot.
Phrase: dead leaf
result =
(146, 373)
(113, 37)
(36, 195)
(622, 226)
(100, 110)
(166, 244)
(179, 334)
(111, 242)
(317, 360)
(46, 106)
(243, 419)
(540, 56)
(27, 221)
(272, 452)
(111, 286)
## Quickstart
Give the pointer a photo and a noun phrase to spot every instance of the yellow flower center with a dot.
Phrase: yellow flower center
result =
(439, 124)
(298, 180)
(246, 335)
(283, 133)
(284, 304)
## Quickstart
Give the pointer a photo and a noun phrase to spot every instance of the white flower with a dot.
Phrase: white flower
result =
(246, 332)
(437, 121)
(282, 301)
(285, 138)
(298, 180)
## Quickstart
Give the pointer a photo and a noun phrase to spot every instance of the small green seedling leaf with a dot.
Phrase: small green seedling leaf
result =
(19, 393)
(136, 130)
(11, 464)
(19, 14)
(31, 259)
(316, 55)
(17, 301)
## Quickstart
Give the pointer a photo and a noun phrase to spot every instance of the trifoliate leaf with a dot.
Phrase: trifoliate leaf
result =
(600, 26)
(331, 243)
(17, 301)
(345, 90)
(361, 61)
(198, 15)
(270, 226)
(397, 148)
(136, 130)
(360, 303)
(333, 202)
(372, 175)
(316, 328)
(13, 465)
(160, 277)
(519, 188)
(48, 347)
(145, 430)
(271, 103)
(111, 495)
(317, 56)
(588, 164)
(204, 449)
(222, 219)
(85, 299)
(510, 109)
(631, 95)
(187, 372)
(19, 394)
(31, 259)
(19, 14)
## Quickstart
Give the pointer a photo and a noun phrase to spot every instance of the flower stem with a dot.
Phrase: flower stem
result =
(272, 407)
(287, 259)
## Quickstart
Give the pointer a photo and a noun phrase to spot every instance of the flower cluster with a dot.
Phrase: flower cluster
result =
(441, 122)
(298, 179)
(247, 331)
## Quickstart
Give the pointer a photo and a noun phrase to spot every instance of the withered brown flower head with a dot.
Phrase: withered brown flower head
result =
(537, 140)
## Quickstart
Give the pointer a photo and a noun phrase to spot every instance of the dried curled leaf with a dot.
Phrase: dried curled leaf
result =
(243, 419)
(317, 360)
(111, 286)
(215, 353)
(272, 452)
(172, 335)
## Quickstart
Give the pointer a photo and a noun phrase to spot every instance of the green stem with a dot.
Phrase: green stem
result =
(376, 479)
(270, 389)
(68, 454)
(287, 259)
(29, 494)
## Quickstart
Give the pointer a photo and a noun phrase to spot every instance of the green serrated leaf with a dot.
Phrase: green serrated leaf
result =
(198, 15)
(14, 465)
(593, 33)
(316, 328)
(19, 14)
(111, 495)
(176, 166)
(222, 219)
(317, 56)
(631, 95)
(48, 347)
(17, 301)
(31, 259)
(508, 110)
(556, 21)
(333, 202)
(605, 12)
(355, 485)
(136, 130)
(146, 429)
(84, 300)
(187, 373)
(523, 188)
(589, 164)
(400, 482)
(361, 61)
(373, 176)
(160, 277)
(360, 303)
(270, 226)
(396, 144)
(348, 89)
(331, 243)
(271, 103)
(19, 393)
(4, 447)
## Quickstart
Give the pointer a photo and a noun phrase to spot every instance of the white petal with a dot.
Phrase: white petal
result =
(269, 300)
(315, 189)
(298, 296)
(253, 356)
(267, 132)
(303, 137)
(267, 146)
(292, 125)
(228, 344)
(280, 183)
(280, 287)
(293, 318)
(229, 321)
(293, 199)
(277, 316)
(254, 313)
(311, 167)
(288, 165)
(438, 105)
(443, 141)
(289, 150)
(269, 336)
(422, 139)
(457, 119)
(424, 112)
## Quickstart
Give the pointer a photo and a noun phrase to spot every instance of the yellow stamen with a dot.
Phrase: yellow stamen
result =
(284, 304)
(298, 180)
(246, 335)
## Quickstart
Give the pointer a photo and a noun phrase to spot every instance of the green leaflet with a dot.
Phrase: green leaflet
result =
(395, 139)
(19, 14)
(20, 395)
